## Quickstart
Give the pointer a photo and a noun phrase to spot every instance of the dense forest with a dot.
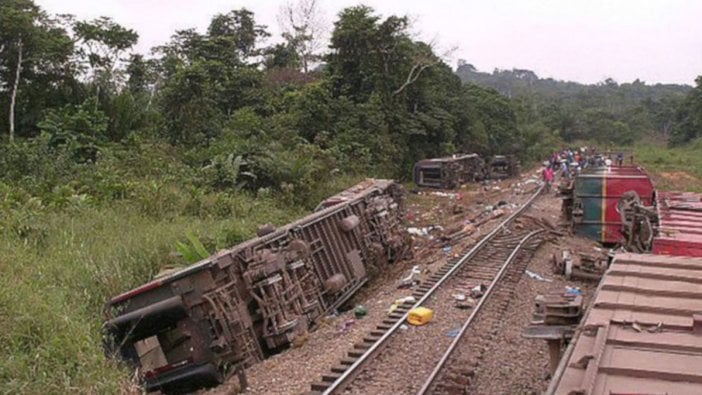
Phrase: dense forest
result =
(240, 112)
(607, 112)
(114, 163)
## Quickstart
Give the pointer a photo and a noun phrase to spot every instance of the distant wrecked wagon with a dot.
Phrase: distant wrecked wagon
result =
(453, 171)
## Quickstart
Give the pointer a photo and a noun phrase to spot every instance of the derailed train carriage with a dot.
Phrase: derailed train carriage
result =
(641, 332)
(620, 206)
(595, 200)
(189, 329)
(453, 171)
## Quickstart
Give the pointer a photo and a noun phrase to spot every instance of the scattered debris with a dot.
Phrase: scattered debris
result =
(554, 320)
(398, 302)
(465, 303)
(406, 299)
(478, 291)
(537, 276)
(360, 311)
(573, 290)
(420, 316)
(392, 308)
(416, 231)
(425, 231)
(346, 325)
(458, 232)
(412, 279)
(449, 195)
(580, 265)
(558, 309)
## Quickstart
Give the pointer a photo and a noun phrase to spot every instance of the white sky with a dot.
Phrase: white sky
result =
(579, 40)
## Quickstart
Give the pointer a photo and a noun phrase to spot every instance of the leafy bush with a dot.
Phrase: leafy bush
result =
(77, 129)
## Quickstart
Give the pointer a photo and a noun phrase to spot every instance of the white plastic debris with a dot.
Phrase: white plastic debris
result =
(416, 231)
(449, 195)
(537, 276)
(406, 299)
(413, 276)
(424, 232)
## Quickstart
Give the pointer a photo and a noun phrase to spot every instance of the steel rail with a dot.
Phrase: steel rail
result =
(434, 374)
(351, 372)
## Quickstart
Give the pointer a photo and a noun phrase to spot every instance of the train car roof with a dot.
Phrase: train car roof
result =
(642, 332)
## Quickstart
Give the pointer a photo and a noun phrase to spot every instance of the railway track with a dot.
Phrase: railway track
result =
(413, 358)
(454, 372)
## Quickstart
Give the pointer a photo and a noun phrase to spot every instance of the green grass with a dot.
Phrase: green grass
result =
(678, 168)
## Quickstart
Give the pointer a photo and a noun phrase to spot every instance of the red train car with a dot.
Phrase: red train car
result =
(596, 197)
(679, 224)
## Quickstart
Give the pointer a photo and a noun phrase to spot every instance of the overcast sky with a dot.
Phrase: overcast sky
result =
(579, 40)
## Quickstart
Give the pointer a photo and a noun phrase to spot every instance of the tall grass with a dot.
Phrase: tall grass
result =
(678, 168)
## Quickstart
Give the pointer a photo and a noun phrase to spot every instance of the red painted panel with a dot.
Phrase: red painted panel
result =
(680, 224)
(678, 247)
(617, 182)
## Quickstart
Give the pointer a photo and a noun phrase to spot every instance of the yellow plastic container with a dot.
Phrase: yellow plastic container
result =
(420, 316)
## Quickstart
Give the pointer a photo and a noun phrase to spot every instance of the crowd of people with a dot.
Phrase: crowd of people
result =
(569, 162)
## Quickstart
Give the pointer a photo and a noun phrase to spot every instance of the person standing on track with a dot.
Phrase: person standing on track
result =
(548, 178)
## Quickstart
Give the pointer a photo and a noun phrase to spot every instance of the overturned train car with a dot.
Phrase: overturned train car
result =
(620, 206)
(451, 172)
(189, 329)
(595, 200)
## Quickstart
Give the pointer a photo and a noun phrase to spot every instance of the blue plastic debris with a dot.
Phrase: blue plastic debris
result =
(573, 290)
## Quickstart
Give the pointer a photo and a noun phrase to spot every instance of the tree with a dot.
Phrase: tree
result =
(233, 37)
(303, 29)
(138, 72)
(368, 54)
(35, 52)
(102, 43)
(423, 58)
(208, 77)
(494, 117)
(282, 56)
(688, 118)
